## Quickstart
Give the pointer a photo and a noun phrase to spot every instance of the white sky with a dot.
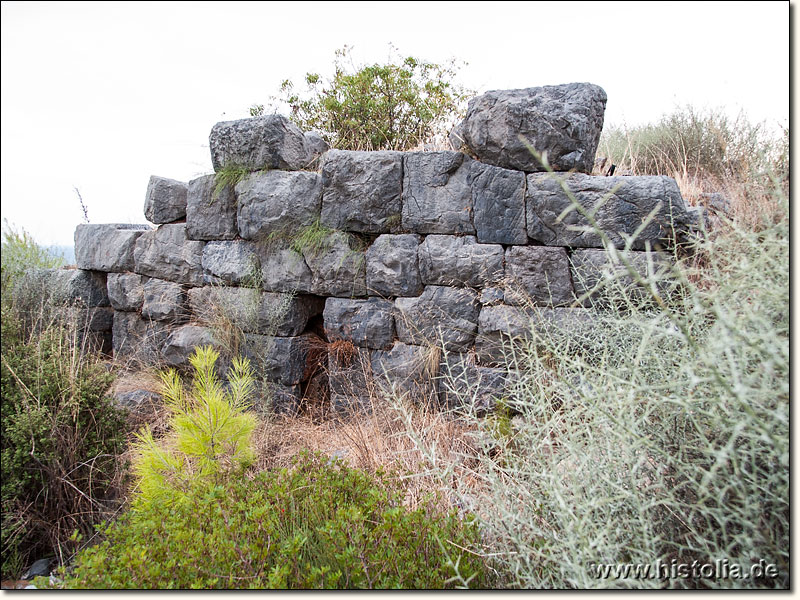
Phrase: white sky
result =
(100, 96)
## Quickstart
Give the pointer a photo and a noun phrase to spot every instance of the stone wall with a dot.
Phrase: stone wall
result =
(342, 272)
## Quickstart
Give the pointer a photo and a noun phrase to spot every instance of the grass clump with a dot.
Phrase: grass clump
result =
(228, 176)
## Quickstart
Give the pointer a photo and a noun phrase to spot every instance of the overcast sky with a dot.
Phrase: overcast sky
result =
(99, 96)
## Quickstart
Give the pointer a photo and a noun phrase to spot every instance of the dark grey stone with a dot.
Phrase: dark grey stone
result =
(107, 247)
(441, 315)
(406, 369)
(40, 568)
(459, 261)
(181, 344)
(282, 399)
(338, 268)
(72, 287)
(270, 142)
(564, 121)
(437, 196)
(232, 262)
(210, 212)
(367, 323)
(167, 253)
(164, 301)
(137, 400)
(137, 339)
(277, 201)
(492, 295)
(349, 377)
(285, 360)
(620, 206)
(125, 291)
(165, 201)
(283, 269)
(362, 190)
(317, 146)
(392, 268)
(538, 275)
(464, 384)
(498, 198)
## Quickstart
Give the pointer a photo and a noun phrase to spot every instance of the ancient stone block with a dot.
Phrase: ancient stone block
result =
(338, 267)
(361, 190)
(619, 205)
(406, 369)
(464, 384)
(210, 210)
(283, 269)
(564, 121)
(441, 315)
(166, 253)
(182, 342)
(164, 301)
(498, 198)
(538, 274)
(125, 291)
(138, 339)
(165, 201)
(277, 201)
(459, 261)
(367, 323)
(437, 196)
(232, 262)
(392, 268)
(285, 360)
(107, 247)
(270, 142)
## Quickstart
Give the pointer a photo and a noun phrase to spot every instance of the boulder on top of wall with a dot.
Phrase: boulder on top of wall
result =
(338, 266)
(440, 315)
(392, 267)
(165, 201)
(164, 301)
(182, 342)
(125, 291)
(620, 205)
(406, 369)
(283, 269)
(362, 190)
(210, 210)
(277, 201)
(498, 198)
(254, 311)
(107, 247)
(368, 323)
(269, 142)
(166, 253)
(564, 121)
(459, 261)
(232, 262)
(437, 195)
(608, 278)
(538, 274)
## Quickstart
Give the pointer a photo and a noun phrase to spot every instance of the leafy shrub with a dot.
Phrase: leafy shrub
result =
(318, 524)
(660, 431)
(19, 253)
(394, 106)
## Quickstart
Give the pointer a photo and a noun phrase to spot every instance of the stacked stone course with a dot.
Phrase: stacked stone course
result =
(425, 262)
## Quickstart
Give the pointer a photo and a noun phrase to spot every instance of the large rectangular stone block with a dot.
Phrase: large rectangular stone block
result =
(440, 316)
(165, 201)
(107, 248)
(233, 262)
(284, 269)
(285, 360)
(338, 267)
(138, 339)
(406, 370)
(464, 384)
(164, 301)
(538, 275)
(437, 193)
(210, 210)
(367, 323)
(126, 291)
(460, 261)
(166, 253)
(620, 205)
(392, 266)
(361, 190)
(498, 198)
(269, 142)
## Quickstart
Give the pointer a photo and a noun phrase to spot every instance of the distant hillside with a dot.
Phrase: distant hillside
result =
(67, 252)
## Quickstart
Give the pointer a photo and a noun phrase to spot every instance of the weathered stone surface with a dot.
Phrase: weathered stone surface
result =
(232, 262)
(164, 301)
(181, 344)
(283, 269)
(462, 383)
(277, 201)
(254, 311)
(166, 253)
(138, 400)
(392, 268)
(437, 196)
(107, 247)
(498, 198)
(210, 212)
(282, 399)
(564, 121)
(361, 190)
(406, 369)
(492, 295)
(137, 339)
(285, 360)
(125, 291)
(459, 261)
(539, 275)
(74, 287)
(349, 377)
(367, 323)
(338, 268)
(620, 205)
(165, 201)
(271, 142)
(608, 279)
(99, 318)
(441, 315)
(316, 146)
